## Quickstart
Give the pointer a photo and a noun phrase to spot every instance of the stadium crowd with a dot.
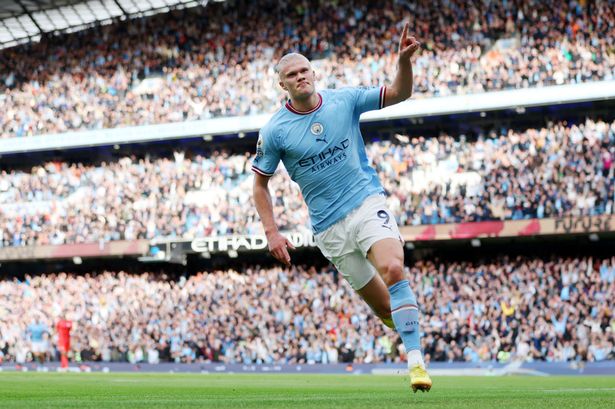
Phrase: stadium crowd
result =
(559, 170)
(506, 309)
(206, 62)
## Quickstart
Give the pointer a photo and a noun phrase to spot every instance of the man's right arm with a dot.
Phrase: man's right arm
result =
(278, 244)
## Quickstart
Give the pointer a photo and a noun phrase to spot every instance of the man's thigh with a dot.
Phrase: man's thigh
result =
(383, 252)
(337, 245)
(355, 268)
(374, 223)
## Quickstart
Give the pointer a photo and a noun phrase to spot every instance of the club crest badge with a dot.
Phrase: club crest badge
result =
(317, 128)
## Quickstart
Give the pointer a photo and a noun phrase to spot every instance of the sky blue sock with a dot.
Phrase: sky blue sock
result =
(405, 313)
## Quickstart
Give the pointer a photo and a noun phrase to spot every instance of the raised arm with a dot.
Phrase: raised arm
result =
(278, 244)
(401, 89)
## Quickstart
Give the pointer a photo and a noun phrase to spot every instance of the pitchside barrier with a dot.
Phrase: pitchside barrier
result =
(435, 368)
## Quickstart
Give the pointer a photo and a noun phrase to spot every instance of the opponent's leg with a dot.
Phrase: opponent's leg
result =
(387, 256)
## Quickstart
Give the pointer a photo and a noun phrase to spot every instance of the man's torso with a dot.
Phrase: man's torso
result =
(323, 152)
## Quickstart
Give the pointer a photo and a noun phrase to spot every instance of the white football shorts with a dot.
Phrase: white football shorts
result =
(347, 242)
(39, 347)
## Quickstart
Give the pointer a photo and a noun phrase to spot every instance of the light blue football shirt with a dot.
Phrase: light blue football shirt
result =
(323, 151)
(36, 331)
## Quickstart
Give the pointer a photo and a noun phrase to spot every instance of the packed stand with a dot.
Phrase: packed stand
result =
(508, 175)
(208, 62)
(539, 173)
(504, 310)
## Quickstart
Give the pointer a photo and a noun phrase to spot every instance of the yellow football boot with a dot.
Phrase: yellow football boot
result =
(388, 322)
(419, 379)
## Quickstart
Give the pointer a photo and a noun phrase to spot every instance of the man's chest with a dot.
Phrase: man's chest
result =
(318, 151)
(328, 129)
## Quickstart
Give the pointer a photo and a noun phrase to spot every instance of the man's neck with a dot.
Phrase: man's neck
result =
(307, 104)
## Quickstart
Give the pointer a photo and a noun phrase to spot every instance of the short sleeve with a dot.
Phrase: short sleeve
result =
(267, 156)
(369, 99)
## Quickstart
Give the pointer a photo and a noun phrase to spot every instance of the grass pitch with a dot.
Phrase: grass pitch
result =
(169, 391)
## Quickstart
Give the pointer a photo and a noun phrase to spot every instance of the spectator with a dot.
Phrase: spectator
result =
(184, 65)
(537, 173)
(304, 315)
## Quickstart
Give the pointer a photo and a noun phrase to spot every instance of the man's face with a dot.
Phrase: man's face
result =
(297, 78)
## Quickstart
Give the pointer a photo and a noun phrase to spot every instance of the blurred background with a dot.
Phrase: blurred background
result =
(127, 130)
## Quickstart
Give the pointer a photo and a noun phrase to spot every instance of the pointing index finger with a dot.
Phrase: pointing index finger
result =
(404, 34)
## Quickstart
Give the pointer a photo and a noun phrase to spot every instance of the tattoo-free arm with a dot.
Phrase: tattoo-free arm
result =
(278, 244)
(401, 89)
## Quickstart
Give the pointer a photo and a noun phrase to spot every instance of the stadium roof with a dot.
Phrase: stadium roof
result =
(23, 21)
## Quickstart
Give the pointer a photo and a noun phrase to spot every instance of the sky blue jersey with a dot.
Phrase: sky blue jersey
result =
(36, 331)
(323, 151)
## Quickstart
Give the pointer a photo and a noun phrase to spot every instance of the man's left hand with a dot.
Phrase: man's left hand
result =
(407, 46)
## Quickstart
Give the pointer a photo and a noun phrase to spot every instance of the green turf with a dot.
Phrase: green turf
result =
(169, 391)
